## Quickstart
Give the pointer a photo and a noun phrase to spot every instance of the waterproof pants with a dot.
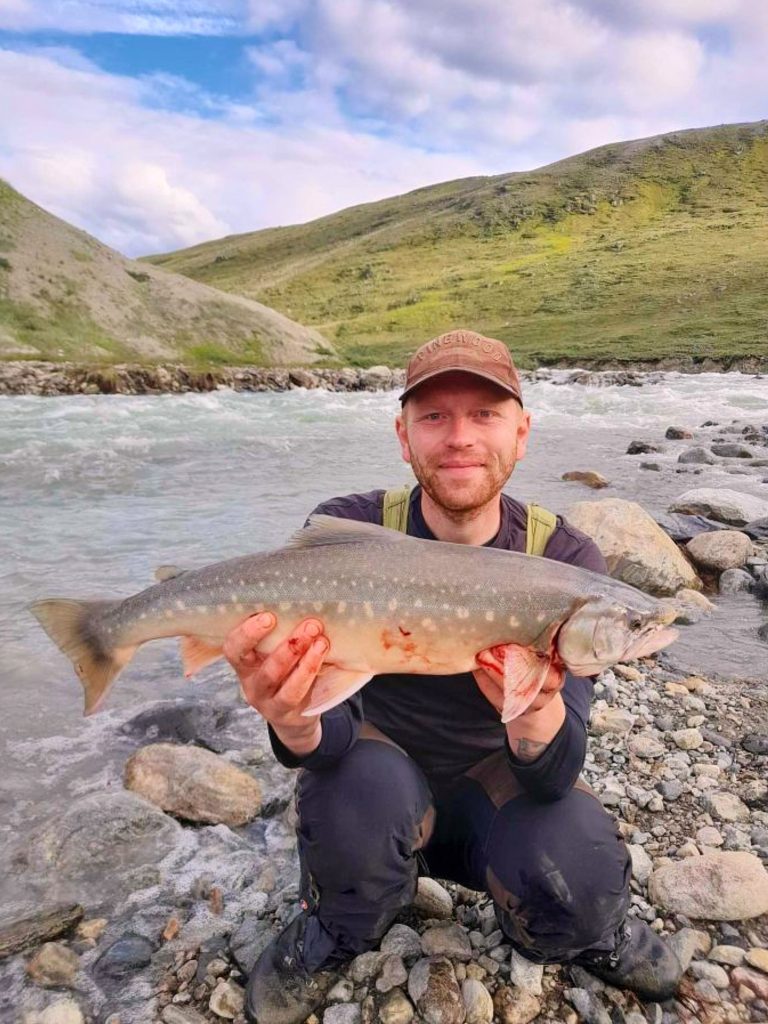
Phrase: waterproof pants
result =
(558, 872)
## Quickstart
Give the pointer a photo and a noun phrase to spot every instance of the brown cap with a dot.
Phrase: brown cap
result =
(468, 352)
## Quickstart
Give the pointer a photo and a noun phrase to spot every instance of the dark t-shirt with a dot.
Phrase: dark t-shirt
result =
(444, 722)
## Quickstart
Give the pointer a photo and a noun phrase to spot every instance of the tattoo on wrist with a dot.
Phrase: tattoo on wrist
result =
(527, 750)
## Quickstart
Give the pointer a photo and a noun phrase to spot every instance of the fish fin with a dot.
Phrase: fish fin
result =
(525, 672)
(74, 628)
(321, 530)
(199, 651)
(334, 685)
(168, 572)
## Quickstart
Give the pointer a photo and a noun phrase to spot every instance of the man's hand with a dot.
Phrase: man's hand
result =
(531, 733)
(278, 685)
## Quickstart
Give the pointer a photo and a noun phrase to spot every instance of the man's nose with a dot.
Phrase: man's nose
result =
(461, 433)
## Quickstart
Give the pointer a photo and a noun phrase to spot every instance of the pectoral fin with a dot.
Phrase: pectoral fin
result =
(525, 672)
(334, 685)
(199, 651)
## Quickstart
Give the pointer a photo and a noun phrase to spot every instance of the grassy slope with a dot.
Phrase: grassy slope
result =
(637, 250)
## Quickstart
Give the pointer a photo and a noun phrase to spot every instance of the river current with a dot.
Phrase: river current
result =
(96, 491)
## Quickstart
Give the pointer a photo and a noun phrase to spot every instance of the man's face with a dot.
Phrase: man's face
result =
(462, 436)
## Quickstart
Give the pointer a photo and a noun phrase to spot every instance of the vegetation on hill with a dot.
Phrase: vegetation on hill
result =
(639, 250)
(65, 296)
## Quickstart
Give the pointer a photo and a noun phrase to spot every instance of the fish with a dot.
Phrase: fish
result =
(390, 603)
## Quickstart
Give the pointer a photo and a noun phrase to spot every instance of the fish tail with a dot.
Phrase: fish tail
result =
(75, 627)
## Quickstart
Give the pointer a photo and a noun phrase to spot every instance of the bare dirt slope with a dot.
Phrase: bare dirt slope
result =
(64, 295)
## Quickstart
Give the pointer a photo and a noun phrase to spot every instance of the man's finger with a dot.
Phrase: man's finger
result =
(298, 684)
(283, 660)
(241, 642)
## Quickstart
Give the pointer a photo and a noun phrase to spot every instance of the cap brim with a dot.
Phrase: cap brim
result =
(461, 369)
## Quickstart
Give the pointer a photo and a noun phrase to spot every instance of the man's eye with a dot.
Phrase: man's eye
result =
(434, 416)
(485, 414)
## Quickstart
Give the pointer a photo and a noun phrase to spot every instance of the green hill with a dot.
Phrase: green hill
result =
(639, 250)
(65, 296)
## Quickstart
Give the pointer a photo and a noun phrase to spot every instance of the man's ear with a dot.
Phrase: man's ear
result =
(523, 432)
(402, 436)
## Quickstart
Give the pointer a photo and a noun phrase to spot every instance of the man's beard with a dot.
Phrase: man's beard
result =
(463, 500)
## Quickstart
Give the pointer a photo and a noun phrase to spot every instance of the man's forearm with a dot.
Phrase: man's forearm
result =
(531, 733)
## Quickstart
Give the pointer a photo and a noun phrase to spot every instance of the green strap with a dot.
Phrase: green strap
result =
(540, 527)
(395, 508)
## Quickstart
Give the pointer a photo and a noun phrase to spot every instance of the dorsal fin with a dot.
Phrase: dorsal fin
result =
(322, 529)
(163, 573)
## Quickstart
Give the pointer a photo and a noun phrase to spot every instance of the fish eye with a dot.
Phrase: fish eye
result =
(635, 622)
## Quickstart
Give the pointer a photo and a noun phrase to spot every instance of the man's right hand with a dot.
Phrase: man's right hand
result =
(278, 685)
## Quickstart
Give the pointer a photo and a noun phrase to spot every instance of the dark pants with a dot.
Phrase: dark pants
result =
(558, 872)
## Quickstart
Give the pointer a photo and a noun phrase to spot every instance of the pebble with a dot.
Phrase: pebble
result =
(478, 1004)
(449, 940)
(712, 972)
(342, 1013)
(731, 886)
(396, 1008)
(124, 956)
(755, 743)
(65, 1011)
(227, 1000)
(725, 807)
(54, 965)
(393, 973)
(341, 992)
(708, 835)
(433, 988)
(402, 940)
(588, 1006)
(642, 865)
(93, 928)
(432, 899)
(646, 747)
(756, 981)
(524, 974)
(758, 957)
(687, 739)
(514, 1006)
(181, 1015)
(731, 956)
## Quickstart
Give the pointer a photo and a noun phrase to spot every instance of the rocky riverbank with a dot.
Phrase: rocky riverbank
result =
(681, 762)
(28, 377)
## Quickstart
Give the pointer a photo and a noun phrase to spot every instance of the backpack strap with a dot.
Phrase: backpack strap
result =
(541, 525)
(395, 508)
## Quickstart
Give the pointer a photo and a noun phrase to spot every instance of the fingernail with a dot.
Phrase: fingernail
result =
(320, 646)
(264, 619)
(313, 629)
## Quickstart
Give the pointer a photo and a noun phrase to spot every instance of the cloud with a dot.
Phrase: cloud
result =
(141, 17)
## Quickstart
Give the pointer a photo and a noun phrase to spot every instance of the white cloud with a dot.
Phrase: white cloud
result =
(160, 17)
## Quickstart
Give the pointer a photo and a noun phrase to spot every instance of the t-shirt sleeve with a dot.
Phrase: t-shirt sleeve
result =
(341, 725)
(553, 774)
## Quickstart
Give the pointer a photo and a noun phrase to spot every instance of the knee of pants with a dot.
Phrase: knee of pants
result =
(559, 874)
(364, 817)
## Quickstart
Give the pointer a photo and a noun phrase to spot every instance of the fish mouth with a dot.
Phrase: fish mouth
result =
(657, 637)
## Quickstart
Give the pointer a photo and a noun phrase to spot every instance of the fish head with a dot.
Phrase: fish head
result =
(601, 633)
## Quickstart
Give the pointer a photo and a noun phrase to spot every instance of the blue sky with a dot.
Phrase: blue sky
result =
(156, 124)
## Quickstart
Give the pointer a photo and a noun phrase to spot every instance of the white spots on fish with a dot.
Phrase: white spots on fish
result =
(286, 606)
(303, 579)
(392, 605)
(446, 607)
(202, 608)
(169, 613)
(462, 613)
(241, 583)
(341, 606)
(334, 583)
(318, 605)
(239, 607)
(180, 605)
(418, 603)
(261, 583)
(353, 582)
(221, 609)
(489, 616)
(370, 584)
(235, 598)
(513, 621)
(428, 624)
(143, 615)
(540, 617)
(368, 609)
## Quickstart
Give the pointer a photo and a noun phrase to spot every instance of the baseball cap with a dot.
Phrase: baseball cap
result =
(468, 352)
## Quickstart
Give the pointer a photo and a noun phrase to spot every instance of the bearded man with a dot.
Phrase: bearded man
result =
(417, 773)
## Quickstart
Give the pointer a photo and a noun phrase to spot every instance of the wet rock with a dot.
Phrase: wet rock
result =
(432, 899)
(478, 1004)
(396, 1008)
(697, 456)
(726, 549)
(725, 807)
(403, 941)
(19, 933)
(180, 721)
(757, 529)
(433, 988)
(677, 434)
(588, 1005)
(193, 784)
(731, 450)
(636, 549)
(735, 581)
(342, 1013)
(376, 378)
(643, 448)
(730, 886)
(755, 743)
(227, 1000)
(64, 1011)
(682, 527)
(449, 940)
(128, 954)
(53, 965)
(590, 477)
(723, 504)
(514, 1006)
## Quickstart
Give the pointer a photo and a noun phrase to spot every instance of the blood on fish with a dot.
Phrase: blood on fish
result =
(405, 632)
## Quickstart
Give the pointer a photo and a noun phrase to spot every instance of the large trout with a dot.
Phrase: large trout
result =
(390, 603)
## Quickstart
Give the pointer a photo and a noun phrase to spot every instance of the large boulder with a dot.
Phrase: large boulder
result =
(636, 549)
(730, 886)
(721, 503)
(193, 784)
(721, 550)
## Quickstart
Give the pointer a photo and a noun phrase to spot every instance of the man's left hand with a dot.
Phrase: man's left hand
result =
(490, 678)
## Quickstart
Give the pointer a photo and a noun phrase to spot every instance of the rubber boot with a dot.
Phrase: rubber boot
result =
(280, 989)
(641, 962)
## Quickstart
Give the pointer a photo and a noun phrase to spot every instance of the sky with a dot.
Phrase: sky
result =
(156, 124)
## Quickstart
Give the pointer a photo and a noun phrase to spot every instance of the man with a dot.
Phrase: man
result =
(418, 771)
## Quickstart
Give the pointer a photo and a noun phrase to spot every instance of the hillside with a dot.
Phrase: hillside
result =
(65, 296)
(637, 250)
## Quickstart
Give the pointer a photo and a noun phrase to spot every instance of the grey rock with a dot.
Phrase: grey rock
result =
(697, 455)
(396, 1008)
(671, 790)
(478, 1005)
(524, 974)
(643, 448)
(449, 940)
(249, 940)
(433, 988)
(128, 954)
(755, 743)
(181, 1015)
(227, 999)
(684, 944)
(402, 940)
(367, 965)
(393, 973)
(735, 581)
(731, 450)
(16, 933)
(757, 529)
(725, 807)
(712, 972)
(723, 504)
(432, 899)
(642, 865)
(677, 434)
(587, 1005)
(646, 746)
(730, 886)
(342, 1013)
